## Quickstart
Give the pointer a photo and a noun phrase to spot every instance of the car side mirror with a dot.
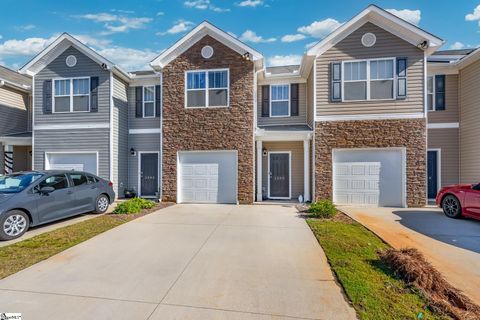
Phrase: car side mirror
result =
(47, 190)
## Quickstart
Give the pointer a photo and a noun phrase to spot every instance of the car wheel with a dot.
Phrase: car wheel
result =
(451, 207)
(102, 203)
(13, 224)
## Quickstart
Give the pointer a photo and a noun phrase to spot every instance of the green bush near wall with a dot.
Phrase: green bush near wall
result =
(134, 205)
(322, 209)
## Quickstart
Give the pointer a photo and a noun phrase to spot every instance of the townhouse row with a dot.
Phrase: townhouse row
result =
(373, 115)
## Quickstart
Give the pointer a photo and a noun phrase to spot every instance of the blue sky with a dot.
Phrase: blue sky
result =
(131, 33)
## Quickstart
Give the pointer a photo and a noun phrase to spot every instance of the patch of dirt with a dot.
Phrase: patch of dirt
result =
(410, 265)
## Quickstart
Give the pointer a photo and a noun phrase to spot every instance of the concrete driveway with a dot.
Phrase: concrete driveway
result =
(186, 262)
(452, 246)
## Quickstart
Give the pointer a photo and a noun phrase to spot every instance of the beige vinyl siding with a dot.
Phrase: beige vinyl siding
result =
(302, 109)
(447, 140)
(450, 114)
(310, 98)
(387, 46)
(469, 123)
(14, 107)
(296, 147)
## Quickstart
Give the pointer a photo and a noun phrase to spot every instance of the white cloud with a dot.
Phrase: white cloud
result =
(457, 45)
(128, 58)
(160, 13)
(116, 23)
(26, 27)
(25, 47)
(412, 16)
(293, 37)
(475, 15)
(251, 36)
(250, 3)
(284, 60)
(320, 29)
(310, 44)
(203, 5)
(179, 27)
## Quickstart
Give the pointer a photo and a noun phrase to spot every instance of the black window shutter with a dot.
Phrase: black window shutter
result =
(94, 94)
(336, 81)
(440, 92)
(139, 102)
(158, 99)
(401, 78)
(266, 101)
(47, 96)
(294, 99)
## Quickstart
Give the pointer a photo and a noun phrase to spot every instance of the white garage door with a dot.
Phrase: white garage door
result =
(207, 177)
(368, 177)
(72, 161)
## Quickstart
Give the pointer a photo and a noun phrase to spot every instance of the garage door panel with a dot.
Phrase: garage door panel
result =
(72, 161)
(207, 177)
(368, 177)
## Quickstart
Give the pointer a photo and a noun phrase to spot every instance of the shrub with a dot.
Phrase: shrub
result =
(323, 209)
(134, 205)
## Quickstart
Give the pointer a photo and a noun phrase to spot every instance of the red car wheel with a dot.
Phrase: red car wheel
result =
(451, 207)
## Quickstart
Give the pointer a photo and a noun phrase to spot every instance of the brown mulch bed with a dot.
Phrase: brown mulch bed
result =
(410, 265)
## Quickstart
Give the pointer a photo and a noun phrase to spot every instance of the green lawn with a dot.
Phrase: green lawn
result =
(23, 254)
(374, 291)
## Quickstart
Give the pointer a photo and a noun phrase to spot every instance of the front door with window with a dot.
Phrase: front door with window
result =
(279, 171)
(148, 174)
(432, 174)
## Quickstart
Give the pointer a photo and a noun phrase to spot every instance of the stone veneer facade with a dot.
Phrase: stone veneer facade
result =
(204, 129)
(409, 133)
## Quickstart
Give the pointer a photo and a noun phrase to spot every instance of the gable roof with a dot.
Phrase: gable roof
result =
(203, 29)
(383, 19)
(57, 47)
(14, 79)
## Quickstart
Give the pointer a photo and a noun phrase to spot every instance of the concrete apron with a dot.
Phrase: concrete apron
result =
(186, 262)
(452, 246)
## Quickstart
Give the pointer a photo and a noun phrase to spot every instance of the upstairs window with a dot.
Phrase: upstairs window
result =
(436, 92)
(280, 100)
(207, 88)
(71, 95)
(149, 102)
(369, 80)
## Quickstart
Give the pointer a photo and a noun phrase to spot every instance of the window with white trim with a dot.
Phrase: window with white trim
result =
(368, 80)
(149, 101)
(430, 93)
(208, 88)
(71, 95)
(280, 100)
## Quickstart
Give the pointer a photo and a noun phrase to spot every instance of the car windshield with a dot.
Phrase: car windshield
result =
(15, 183)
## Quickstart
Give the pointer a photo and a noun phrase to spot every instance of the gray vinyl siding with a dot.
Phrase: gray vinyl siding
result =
(140, 123)
(13, 111)
(296, 148)
(120, 136)
(448, 141)
(387, 46)
(91, 140)
(302, 110)
(85, 67)
(451, 112)
(469, 120)
(140, 142)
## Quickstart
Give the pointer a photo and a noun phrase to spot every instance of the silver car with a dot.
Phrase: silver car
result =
(37, 197)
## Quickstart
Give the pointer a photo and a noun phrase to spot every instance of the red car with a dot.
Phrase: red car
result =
(462, 200)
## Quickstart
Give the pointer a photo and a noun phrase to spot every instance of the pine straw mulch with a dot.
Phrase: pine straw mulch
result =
(410, 265)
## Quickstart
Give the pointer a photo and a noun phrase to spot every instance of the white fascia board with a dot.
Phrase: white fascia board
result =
(145, 131)
(383, 19)
(73, 126)
(383, 116)
(445, 125)
(264, 135)
(204, 28)
(89, 52)
(14, 85)
(468, 60)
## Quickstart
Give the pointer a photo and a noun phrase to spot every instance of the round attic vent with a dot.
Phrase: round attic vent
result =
(207, 52)
(71, 61)
(369, 39)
